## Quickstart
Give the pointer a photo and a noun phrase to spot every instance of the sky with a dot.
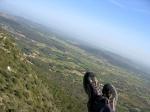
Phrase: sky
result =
(121, 26)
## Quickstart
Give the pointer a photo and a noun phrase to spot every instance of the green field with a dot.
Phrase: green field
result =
(41, 71)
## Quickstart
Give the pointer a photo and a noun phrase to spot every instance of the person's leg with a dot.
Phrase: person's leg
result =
(92, 88)
(91, 85)
(110, 92)
(99, 100)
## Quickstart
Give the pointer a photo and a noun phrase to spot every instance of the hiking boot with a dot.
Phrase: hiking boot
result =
(91, 85)
(110, 92)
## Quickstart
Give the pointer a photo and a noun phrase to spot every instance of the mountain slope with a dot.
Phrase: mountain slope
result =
(20, 87)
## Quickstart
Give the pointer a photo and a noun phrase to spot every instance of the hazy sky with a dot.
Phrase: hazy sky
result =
(122, 26)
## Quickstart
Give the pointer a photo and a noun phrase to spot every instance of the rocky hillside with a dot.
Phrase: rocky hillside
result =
(21, 90)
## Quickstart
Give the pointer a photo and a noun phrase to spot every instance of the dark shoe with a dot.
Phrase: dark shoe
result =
(91, 85)
(110, 92)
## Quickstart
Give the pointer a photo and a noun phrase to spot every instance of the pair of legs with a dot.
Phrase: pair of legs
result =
(101, 98)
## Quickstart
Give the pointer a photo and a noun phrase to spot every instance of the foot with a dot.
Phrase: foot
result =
(110, 92)
(91, 85)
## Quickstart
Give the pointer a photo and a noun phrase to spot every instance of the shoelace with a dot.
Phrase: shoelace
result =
(97, 88)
